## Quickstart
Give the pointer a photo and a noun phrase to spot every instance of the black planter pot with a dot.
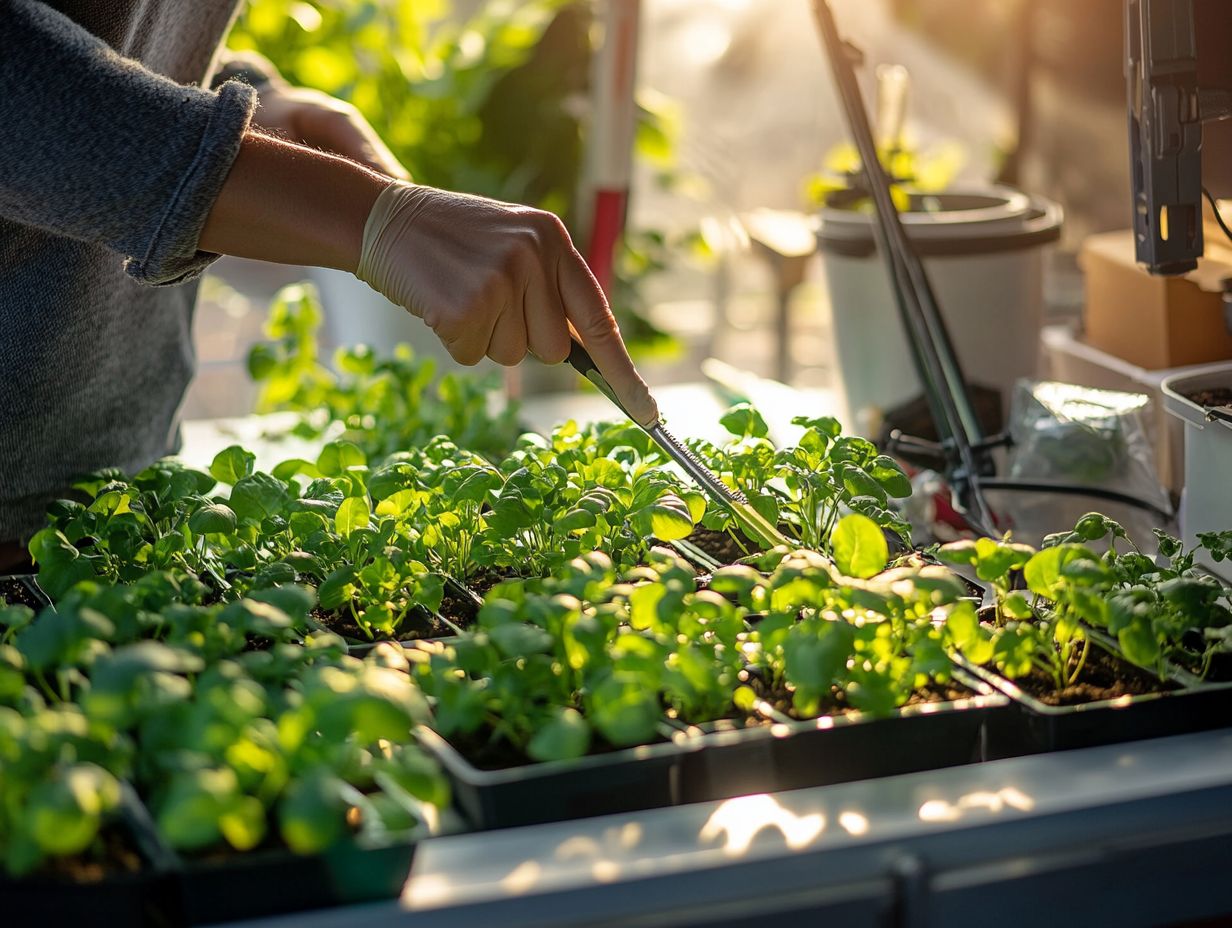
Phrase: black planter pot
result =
(1032, 727)
(735, 761)
(264, 883)
(631, 779)
(141, 899)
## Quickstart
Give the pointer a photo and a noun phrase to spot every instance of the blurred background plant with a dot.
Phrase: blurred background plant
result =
(840, 183)
(483, 96)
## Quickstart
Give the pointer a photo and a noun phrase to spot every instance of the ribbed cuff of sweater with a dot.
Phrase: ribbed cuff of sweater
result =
(172, 256)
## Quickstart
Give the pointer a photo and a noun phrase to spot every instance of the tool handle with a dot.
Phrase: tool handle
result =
(581, 361)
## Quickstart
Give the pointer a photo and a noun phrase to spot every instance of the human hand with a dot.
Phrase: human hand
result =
(494, 279)
(312, 118)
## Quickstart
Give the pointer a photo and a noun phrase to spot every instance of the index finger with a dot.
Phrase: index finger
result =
(588, 313)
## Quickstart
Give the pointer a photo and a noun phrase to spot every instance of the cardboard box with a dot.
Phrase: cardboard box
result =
(1156, 322)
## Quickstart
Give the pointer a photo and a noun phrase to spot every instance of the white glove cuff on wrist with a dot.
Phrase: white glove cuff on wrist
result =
(391, 217)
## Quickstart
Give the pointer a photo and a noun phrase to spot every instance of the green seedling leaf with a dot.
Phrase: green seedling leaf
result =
(1139, 644)
(815, 652)
(744, 421)
(1043, 572)
(893, 480)
(624, 710)
(995, 559)
(312, 813)
(213, 518)
(516, 639)
(338, 588)
(564, 736)
(258, 496)
(242, 822)
(65, 813)
(860, 548)
(352, 515)
(669, 518)
(1016, 606)
(338, 457)
(966, 633)
(232, 464)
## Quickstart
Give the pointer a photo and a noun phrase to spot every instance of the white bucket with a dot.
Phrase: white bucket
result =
(983, 251)
(1206, 503)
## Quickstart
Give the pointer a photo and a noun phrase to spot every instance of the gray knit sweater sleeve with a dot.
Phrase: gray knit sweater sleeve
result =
(95, 147)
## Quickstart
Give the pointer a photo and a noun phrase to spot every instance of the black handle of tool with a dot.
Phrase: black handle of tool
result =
(581, 361)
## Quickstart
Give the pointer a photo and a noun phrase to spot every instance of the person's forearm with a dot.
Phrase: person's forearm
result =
(287, 203)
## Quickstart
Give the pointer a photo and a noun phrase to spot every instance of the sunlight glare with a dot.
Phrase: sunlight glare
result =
(941, 810)
(738, 821)
(854, 823)
(523, 877)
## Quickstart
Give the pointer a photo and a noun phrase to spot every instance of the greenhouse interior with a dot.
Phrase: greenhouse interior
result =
(605, 463)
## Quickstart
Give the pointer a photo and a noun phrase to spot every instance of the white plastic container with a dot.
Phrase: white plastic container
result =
(983, 251)
(1206, 502)
(355, 314)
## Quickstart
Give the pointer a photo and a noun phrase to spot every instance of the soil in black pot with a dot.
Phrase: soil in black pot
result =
(1103, 677)
(1216, 396)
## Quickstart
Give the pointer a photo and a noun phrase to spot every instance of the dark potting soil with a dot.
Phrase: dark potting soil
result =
(1103, 677)
(720, 545)
(837, 704)
(487, 577)
(114, 855)
(417, 624)
(1220, 670)
(502, 755)
(16, 593)
(1217, 396)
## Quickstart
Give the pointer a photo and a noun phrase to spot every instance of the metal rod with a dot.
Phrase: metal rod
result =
(932, 350)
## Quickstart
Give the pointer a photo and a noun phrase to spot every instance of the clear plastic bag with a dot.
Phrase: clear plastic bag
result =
(1086, 437)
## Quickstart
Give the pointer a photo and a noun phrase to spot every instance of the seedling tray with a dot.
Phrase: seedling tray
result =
(1033, 727)
(627, 780)
(782, 755)
(137, 899)
(271, 882)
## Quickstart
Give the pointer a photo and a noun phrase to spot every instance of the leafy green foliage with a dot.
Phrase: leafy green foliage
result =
(293, 741)
(806, 489)
(1160, 613)
(385, 404)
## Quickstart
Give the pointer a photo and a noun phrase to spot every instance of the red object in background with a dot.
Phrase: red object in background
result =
(613, 120)
(605, 229)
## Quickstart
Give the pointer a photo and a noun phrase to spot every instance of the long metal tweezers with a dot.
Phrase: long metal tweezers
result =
(751, 522)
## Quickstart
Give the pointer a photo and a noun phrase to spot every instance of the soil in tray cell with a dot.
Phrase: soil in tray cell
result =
(720, 545)
(487, 577)
(837, 703)
(501, 755)
(1217, 396)
(115, 856)
(16, 593)
(417, 624)
(1103, 677)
